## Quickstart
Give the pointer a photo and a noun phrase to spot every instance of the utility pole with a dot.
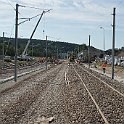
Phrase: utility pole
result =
(3, 54)
(78, 51)
(89, 52)
(57, 53)
(46, 52)
(3, 48)
(32, 49)
(113, 43)
(103, 38)
(67, 55)
(16, 44)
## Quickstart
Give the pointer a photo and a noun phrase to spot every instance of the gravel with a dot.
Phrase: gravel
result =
(110, 102)
(51, 94)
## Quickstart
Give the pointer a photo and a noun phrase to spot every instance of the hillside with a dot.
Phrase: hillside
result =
(118, 52)
(37, 48)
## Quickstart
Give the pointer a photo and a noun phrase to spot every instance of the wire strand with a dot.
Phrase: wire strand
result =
(11, 4)
(32, 7)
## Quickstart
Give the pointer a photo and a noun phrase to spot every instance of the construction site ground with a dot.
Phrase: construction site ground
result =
(118, 71)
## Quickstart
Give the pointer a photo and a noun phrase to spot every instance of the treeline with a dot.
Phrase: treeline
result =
(118, 51)
(38, 47)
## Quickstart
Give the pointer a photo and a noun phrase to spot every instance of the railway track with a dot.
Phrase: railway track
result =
(16, 100)
(114, 83)
(107, 99)
(6, 73)
(70, 94)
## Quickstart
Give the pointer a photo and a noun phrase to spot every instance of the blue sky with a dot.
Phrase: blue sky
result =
(69, 20)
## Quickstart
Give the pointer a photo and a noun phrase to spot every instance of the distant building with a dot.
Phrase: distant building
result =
(83, 56)
(118, 60)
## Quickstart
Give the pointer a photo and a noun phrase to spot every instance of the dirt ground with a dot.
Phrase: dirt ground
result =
(118, 71)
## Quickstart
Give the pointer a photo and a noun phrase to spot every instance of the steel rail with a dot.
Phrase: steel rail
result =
(103, 82)
(97, 106)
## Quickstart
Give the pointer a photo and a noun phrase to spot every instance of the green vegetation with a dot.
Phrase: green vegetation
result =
(39, 47)
(54, 48)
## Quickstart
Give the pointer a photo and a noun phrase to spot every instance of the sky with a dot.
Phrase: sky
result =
(68, 21)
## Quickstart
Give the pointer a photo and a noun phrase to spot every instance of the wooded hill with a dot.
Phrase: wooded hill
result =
(38, 48)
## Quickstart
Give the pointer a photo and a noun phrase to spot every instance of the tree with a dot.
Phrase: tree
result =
(122, 48)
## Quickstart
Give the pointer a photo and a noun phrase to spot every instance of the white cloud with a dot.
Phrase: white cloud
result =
(84, 10)
(88, 12)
